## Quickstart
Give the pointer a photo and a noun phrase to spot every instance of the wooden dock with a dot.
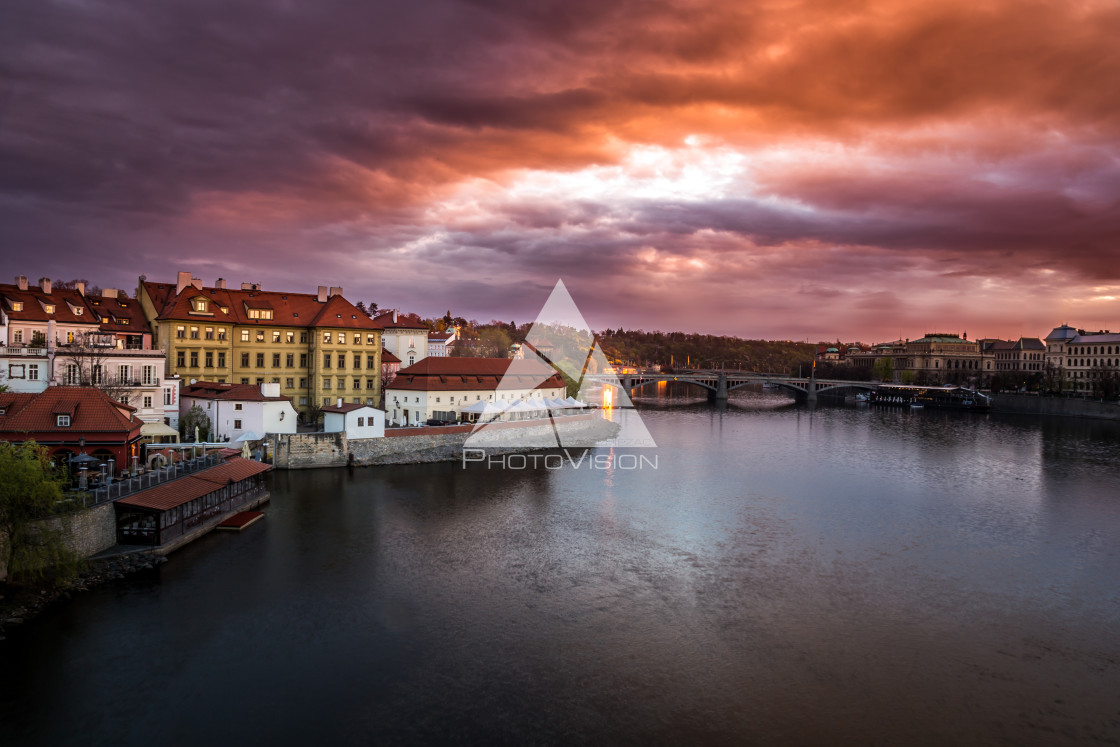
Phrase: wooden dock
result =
(239, 521)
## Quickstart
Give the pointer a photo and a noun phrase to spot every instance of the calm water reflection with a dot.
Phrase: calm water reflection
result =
(846, 576)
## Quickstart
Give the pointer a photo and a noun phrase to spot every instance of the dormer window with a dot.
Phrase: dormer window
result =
(63, 421)
(48, 307)
(200, 304)
(17, 305)
(259, 313)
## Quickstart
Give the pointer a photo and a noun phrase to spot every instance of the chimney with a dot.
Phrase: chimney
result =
(335, 291)
(394, 316)
(182, 281)
(45, 284)
(322, 294)
(220, 283)
(21, 281)
(197, 283)
(250, 286)
(80, 287)
(109, 292)
(270, 389)
(338, 402)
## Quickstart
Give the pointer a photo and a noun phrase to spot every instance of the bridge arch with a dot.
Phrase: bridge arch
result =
(634, 388)
(783, 384)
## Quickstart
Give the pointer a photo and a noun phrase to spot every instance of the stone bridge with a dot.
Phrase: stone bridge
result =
(721, 383)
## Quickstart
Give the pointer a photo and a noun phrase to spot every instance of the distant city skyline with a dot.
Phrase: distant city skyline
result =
(778, 170)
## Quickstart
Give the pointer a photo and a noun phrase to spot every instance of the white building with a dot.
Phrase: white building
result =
(440, 343)
(439, 388)
(356, 421)
(237, 409)
(1082, 358)
(404, 335)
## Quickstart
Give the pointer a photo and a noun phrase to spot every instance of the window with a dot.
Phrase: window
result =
(326, 383)
(370, 339)
(326, 337)
(221, 359)
(200, 305)
(411, 359)
(259, 313)
(238, 406)
(341, 360)
(369, 361)
(77, 310)
(221, 333)
(69, 337)
(276, 335)
(209, 359)
(194, 333)
(48, 307)
(290, 360)
(124, 374)
(244, 379)
(180, 332)
(244, 335)
(303, 400)
(181, 359)
(303, 382)
(194, 359)
(303, 360)
(260, 335)
(260, 360)
(303, 337)
(237, 425)
(342, 384)
(357, 338)
(369, 384)
(276, 360)
(17, 336)
(208, 333)
(147, 401)
(167, 398)
(361, 422)
(326, 400)
(245, 360)
(17, 305)
(260, 380)
(33, 371)
(326, 360)
(63, 421)
(357, 384)
(357, 361)
(290, 337)
(289, 383)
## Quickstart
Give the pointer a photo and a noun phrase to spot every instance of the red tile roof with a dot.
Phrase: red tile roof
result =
(124, 314)
(186, 489)
(288, 309)
(13, 402)
(90, 408)
(34, 300)
(384, 320)
(387, 357)
(465, 374)
(228, 392)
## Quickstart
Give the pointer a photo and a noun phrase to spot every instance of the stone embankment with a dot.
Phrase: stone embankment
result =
(19, 605)
(1027, 404)
(422, 445)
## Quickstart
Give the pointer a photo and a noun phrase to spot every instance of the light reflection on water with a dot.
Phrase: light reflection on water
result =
(840, 576)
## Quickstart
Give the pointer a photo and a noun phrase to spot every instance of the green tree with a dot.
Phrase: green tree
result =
(195, 417)
(31, 495)
(907, 377)
(883, 369)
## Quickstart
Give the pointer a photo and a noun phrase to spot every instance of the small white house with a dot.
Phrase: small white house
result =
(237, 409)
(356, 421)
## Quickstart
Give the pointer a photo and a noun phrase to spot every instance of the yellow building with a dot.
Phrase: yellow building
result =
(318, 347)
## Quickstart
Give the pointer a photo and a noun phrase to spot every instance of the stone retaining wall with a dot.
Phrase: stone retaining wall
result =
(419, 445)
(1032, 405)
(86, 532)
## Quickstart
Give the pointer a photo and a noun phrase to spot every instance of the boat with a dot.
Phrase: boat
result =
(945, 397)
(916, 406)
(863, 398)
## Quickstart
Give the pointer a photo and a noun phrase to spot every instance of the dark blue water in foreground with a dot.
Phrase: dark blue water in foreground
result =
(841, 577)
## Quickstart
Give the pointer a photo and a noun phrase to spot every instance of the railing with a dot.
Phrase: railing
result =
(150, 479)
(35, 352)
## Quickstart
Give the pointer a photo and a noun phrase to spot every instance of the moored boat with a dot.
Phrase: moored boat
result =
(947, 397)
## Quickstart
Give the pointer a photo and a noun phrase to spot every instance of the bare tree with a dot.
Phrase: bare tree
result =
(86, 362)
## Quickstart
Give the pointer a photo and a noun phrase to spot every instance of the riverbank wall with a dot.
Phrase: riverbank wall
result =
(1025, 404)
(86, 533)
(424, 445)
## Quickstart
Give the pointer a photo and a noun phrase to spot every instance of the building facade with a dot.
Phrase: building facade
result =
(237, 409)
(316, 347)
(405, 336)
(439, 388)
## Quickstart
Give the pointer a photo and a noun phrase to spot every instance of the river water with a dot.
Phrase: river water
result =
(840, 576)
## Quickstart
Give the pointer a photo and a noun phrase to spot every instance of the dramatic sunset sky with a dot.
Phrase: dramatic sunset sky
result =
(778, 169)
